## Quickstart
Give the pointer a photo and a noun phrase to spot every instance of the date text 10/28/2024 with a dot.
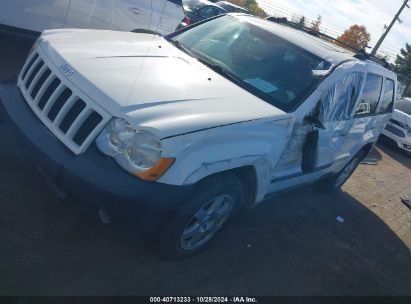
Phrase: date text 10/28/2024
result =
(203, 300)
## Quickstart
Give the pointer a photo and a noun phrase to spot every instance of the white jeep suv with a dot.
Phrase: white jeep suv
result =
(175, 133)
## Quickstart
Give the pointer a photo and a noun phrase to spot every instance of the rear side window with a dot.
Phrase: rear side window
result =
(388, 97)
(370, 96)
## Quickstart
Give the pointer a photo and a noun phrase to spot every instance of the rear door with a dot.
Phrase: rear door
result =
(367, 124)
(37, 15)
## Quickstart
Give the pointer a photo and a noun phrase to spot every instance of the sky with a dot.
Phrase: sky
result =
(339, 15)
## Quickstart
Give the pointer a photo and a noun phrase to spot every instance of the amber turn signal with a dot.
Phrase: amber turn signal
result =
(157, 171)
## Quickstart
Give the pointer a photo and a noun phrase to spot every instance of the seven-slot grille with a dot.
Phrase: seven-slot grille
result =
(390, 128)
(72, 119)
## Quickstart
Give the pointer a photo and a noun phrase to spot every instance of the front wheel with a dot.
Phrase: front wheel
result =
(335, 182)
(195, 224)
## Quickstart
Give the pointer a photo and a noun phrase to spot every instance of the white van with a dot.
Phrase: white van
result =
(176, 133)
(160, 16)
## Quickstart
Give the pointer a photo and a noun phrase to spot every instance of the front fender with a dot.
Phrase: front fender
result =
(257, 143)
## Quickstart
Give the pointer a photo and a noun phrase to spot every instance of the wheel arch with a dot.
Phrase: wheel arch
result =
(247, 176)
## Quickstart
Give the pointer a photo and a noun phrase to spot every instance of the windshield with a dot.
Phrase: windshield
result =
(257, 60)
(403, 105)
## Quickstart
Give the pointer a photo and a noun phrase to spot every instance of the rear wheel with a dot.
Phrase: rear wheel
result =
(195, 225)
(335, 182)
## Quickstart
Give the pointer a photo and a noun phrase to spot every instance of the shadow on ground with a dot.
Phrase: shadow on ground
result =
(290, 245)
(13, 52)
(394, 152)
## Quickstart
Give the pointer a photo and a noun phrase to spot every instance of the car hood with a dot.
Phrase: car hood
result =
(148, 81)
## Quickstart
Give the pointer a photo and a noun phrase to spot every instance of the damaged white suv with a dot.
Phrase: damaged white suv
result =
(175, 133)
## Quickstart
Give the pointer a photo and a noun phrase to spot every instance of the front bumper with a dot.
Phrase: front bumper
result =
(91, 177)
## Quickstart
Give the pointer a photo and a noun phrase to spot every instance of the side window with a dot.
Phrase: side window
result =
(370, 95)
(339, 101)
(388, 97)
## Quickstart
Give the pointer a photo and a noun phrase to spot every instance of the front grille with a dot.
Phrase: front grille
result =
(390, 128)
(74, 119)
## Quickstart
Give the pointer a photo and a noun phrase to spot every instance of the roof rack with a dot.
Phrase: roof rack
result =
(360, 54)
(363, 55)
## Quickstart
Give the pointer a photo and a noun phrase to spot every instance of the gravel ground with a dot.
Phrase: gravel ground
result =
(290, 245)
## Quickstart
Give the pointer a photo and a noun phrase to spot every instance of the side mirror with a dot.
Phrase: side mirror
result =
(315, 121)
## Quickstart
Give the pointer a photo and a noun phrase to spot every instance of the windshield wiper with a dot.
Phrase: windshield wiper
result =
(223, 72)
(215, 67)
(233, 78)
(180, 46)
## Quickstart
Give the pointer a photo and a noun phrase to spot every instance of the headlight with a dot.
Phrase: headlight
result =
(119, 133)
(138, 152)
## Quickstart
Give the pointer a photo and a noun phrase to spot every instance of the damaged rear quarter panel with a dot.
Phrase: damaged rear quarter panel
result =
(257, 143)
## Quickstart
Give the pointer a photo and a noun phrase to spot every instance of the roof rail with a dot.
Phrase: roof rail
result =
(360, 54)
(363, 55)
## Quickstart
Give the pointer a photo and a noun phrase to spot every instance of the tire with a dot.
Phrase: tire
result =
(193, 227)
(335, 182)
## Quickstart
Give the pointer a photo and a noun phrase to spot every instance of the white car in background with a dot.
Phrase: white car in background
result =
(398, 129)
(160, 16)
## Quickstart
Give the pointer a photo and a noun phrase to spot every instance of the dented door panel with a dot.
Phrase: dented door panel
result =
(333, 108)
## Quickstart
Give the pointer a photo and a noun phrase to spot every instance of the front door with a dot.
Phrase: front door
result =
(334, 116)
